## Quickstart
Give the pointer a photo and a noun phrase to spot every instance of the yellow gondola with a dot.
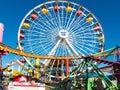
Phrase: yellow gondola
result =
(26, 25)
(89, 19)
(69, 9)
(100, 39)
(44, 11)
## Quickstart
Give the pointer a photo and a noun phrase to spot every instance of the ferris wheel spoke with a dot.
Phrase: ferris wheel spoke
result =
(40, 29)
(38, 52)
(38, 42)
(75, 27)
(36, 39)
(87, 26)
(71, 22)
(87, 35)
(55, 47)
(76, 23)
(80, 48)
(44, 47)
(78, 20)
(85, 48)
(68, 22)
(52, 51)
(66, 17)
(89, 46)
(83, 32)
(72, 47)
(57, 52)
(59, 20)
(44, 26)
(89, 41)
(56, 18)
(84, 35)
(65, 51)
(45, 21)
(62, 16)
(48, 48)
(83, 29)
(54, 21)
(27, 40)
(51, 20)
(36, 34)
(69, 51)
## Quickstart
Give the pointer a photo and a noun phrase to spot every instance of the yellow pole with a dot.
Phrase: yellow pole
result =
(37, 68)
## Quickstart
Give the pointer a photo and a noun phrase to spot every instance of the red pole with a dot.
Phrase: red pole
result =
(67, 67)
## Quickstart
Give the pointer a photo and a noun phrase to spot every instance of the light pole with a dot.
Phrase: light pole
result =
(2, 52)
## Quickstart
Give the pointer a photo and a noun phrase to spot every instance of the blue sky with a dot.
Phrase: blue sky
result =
(107, 12)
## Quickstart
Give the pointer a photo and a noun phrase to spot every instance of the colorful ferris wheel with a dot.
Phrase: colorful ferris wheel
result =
(60, 28)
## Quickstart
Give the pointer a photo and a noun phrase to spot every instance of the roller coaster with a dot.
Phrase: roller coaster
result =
(88, 59)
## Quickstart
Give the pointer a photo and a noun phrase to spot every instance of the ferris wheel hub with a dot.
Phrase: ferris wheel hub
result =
(63, 34)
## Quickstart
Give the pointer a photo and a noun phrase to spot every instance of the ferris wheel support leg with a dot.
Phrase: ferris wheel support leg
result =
(67, 67)
(87, 82)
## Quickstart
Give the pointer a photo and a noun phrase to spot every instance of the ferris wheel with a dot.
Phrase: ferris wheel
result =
(60, 28)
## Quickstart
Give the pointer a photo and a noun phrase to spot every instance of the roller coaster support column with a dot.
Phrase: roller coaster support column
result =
(67, 67)
(37, 66)
(87, 77)
(117, 67)
(118, 53)
(1, 52)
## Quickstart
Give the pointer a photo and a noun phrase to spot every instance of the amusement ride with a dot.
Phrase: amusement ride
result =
(61, 45)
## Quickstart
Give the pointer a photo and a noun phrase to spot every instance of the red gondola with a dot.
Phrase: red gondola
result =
(97, 28)
(34, 16)
(22, 36)
(79, 13)
(56, 8)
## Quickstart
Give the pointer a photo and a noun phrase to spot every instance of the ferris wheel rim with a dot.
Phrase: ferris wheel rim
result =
(41, 5)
